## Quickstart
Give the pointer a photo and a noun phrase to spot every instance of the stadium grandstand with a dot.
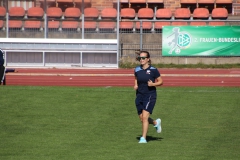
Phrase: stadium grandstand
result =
(101, 33)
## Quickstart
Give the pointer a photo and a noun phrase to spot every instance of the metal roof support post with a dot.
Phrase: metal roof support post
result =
(82, 19)
(7, 20)
(118, 38)
(141, 34)
(45, 20)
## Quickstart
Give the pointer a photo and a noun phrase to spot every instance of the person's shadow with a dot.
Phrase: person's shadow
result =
(150, 138)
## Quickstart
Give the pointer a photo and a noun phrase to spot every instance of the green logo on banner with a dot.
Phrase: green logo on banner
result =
(178, 40)
(201, 41)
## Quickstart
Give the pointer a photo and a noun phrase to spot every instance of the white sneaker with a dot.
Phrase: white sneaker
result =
(158, 125)
(142, 140)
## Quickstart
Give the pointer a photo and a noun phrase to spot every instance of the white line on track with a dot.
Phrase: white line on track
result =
(121, 75)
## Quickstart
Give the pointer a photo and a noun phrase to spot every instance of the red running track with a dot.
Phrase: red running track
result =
(121, 77)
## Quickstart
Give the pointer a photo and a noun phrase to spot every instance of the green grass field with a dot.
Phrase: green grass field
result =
(71, 123)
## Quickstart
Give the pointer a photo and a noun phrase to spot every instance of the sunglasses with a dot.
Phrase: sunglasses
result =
(143, 58)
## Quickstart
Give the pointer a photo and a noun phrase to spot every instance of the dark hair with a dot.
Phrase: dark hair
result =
(139, 52)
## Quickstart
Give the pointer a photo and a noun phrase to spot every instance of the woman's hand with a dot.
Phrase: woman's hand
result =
(150, 83)
(135, 87)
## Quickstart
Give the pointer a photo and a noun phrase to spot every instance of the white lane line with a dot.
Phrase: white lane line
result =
(121, 75)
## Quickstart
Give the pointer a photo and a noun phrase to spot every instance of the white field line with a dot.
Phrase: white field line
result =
(120, 75)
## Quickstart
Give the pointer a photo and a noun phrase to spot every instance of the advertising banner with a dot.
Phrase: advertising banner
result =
(201, 41)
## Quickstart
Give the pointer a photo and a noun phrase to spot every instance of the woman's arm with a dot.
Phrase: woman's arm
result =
(135, 84)
(158, 82)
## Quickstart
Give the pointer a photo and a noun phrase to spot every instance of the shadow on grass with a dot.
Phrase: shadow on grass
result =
(151, 138)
